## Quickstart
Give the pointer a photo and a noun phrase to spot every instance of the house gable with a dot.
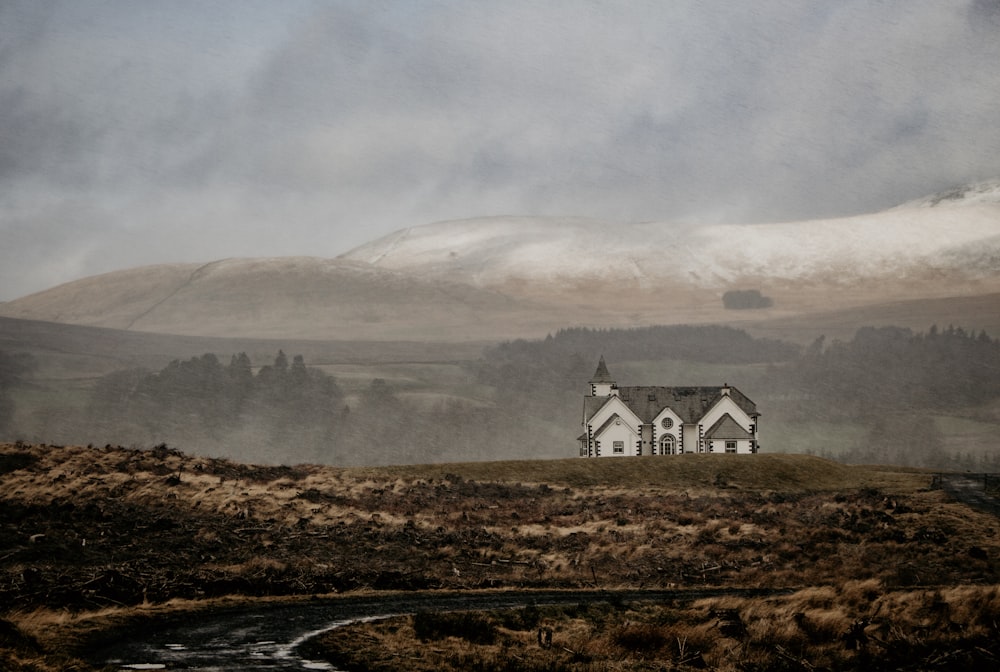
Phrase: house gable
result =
(727, 428)
(613, 406)
(728, 436)
(667, 421)
(616, 438)
(727, 405)
(609, 416)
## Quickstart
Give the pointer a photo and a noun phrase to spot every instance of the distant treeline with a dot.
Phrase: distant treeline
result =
(534, 372)
(880, 369)
(893, 382)
(539, 383)
(893, 369)
(710, 343)
(202, 387)
(285, 412)
(522, 398)
(889, 381)
(202, 397)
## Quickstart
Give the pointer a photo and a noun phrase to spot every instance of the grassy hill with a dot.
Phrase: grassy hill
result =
(785, 473)
(68, 351)
(110, 530)
(973, 313)
(287, 297)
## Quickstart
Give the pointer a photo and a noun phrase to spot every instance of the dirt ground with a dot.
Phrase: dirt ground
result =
(87, 528)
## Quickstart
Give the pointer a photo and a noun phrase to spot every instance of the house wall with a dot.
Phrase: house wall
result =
(690, 436)
(743, 446)
(603, 389)
(604, 444)
(613, 406)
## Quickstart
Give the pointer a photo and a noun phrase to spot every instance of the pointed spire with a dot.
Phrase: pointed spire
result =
(602, 375)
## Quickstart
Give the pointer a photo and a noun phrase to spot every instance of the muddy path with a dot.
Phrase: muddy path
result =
(971, 489)
(269, 638)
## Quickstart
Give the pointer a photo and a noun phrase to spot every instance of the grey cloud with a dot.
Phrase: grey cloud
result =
(262, 132)
(984, 14)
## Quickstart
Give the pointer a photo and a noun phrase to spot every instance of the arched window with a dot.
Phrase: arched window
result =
(668, 445)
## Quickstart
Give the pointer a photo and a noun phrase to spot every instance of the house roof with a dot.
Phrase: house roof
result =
(607, 423)
(689, 403)
(602, 375)
(727, 428)
(591, 405)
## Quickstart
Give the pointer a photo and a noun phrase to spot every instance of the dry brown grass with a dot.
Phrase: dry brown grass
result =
(816, 628)
(89, 528)
(688, 473)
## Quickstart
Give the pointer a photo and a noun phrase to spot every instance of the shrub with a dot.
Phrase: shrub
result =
(640, 637)
(470, 626)
(527, 618)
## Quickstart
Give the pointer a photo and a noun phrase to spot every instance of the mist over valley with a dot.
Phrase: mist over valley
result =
(474, 340)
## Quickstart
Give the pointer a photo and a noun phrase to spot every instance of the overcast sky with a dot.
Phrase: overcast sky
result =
(134, 133)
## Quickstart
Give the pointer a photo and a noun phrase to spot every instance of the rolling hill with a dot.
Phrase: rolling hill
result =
(288, 297)
(507, 277)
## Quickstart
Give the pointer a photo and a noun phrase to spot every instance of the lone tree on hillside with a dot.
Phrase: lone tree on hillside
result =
(745, 299)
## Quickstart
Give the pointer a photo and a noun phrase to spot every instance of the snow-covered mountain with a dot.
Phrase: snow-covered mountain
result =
(502, 277)
(937, 235)
(978, 193)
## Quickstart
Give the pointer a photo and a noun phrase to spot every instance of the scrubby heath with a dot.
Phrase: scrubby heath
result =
(90, 529)
(856, 625)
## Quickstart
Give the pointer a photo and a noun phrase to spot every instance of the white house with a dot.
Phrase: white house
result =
(649, 420)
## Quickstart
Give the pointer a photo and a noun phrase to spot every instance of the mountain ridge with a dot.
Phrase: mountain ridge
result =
(507, 277)
(882, 243)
